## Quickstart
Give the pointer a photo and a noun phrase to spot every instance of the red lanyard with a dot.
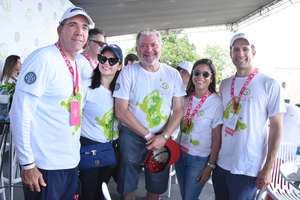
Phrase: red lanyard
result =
(69, 65)
(236, 99)
(93, 63)
(188, 116)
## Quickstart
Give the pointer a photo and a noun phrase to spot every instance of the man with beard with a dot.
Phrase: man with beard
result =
(252, 127)
(149, 104)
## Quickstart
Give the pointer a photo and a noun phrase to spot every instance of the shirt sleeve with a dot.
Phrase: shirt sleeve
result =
(275, 98)
(124, 84)
(179, 90)
(218, 116)
(21, 115)
(34, 74)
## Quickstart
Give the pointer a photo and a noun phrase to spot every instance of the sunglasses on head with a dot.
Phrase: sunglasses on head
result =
(100, 43)
(111, 61)
(204, 74)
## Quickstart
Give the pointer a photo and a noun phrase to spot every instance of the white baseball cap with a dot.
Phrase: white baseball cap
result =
(73, 11)
(241, 36)
(186, 65)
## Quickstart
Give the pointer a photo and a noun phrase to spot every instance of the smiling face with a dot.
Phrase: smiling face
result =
(199, 80)
(242, 54)
(149, 50)
(105, 68)
(73, 34)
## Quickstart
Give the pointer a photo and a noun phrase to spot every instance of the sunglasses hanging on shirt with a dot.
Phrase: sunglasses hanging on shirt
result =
(111, 61)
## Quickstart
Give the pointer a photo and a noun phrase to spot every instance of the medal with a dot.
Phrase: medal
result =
(235, 103)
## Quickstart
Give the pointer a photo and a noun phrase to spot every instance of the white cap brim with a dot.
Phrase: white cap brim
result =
(74, 11)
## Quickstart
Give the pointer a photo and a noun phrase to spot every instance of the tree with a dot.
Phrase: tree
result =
(175, 49)
(221, 60)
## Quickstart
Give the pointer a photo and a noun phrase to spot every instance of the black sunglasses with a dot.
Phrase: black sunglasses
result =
(204, 74)
(111, 61)
(101, 44)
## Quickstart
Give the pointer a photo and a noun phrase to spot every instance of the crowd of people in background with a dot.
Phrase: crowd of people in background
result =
(80, 98)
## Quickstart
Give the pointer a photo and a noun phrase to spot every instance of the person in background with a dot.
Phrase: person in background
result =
(45, 113)
(149, 104)
(11, 69)
(252, 126)
(96, 41)
(99, 124)
(185, 69)
(131, 59)
(200, 136)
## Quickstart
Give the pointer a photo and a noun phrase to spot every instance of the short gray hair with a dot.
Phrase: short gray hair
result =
(148, 32)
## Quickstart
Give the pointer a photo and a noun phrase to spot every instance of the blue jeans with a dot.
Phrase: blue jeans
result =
(188, 168)
(133, 152)
(229, 186)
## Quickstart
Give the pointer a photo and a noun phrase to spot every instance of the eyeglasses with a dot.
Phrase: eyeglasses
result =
(204, 74)
(111, 61)
(100, 43)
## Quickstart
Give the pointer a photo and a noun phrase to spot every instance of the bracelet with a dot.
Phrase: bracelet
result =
(29, 166)
(148, 136)
(213, 166)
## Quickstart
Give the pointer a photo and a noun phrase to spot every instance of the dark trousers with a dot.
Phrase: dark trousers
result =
(229, 186)
(91, 181)
(61, 185)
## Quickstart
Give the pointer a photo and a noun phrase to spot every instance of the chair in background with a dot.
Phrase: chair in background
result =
(279, 188)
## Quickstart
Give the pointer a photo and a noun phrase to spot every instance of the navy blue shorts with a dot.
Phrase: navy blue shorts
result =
(61, 184)
(229, 186)
(133, 152)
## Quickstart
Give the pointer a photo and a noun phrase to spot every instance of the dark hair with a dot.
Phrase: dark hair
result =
(96, 77)
(130, 57)
(9, 66)
(212, 86)
(96, 31)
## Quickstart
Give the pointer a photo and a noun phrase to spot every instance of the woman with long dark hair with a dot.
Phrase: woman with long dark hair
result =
(200, 130)
(11, 69)
(99, 125)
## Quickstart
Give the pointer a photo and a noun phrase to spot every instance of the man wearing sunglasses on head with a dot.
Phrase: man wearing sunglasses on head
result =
(95, 43)
(252, 126)
(149, 104)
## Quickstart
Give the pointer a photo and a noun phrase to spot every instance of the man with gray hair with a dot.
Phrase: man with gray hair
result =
(149, 104)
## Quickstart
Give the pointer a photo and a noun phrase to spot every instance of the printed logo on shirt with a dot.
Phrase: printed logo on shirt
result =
(30, 78)
(117, 86)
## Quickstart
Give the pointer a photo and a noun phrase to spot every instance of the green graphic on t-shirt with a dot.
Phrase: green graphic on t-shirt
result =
(151, 105)
(107, 123)
(194, 142)
(229, 111)
(66, 105)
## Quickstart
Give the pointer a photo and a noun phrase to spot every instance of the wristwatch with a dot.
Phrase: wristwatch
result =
(166, 136)
(28, 166)
(213, 166)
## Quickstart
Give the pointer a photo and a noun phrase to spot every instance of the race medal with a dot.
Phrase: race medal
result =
(74, 112)
(235, 103)
(230, 124)
(186, 126)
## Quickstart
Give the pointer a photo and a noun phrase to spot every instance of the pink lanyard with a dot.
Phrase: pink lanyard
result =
(93, 64)
(236, 99)
(188, 116)
(69, 65)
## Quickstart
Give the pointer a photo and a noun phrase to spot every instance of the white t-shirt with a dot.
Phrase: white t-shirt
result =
(210, 115)
(245, 151)
(86, 70)
(51, 141)
(98, 122)
(149, 94)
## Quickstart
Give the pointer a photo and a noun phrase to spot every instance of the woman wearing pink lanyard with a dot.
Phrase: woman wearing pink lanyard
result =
(200, 130)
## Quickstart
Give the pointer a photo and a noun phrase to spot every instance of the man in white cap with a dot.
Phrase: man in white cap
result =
(252, 128)
(45, 113)
(185, 70)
